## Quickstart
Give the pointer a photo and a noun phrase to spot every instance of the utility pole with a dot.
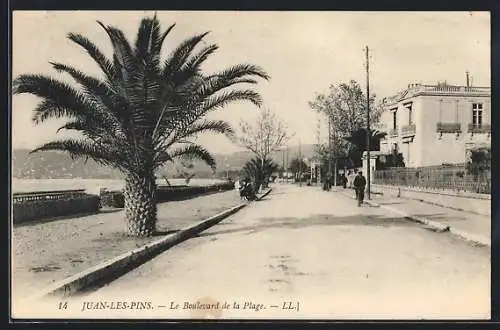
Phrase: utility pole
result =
(334, 159)
(368, 133)
(286, 170)
(300, 164)
(283, 164)
(329, 146)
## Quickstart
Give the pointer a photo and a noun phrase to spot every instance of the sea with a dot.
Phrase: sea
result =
(92, 186)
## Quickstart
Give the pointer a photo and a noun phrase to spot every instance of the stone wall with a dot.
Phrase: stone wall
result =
(26, 211)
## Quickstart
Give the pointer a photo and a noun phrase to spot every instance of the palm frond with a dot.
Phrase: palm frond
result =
(104, 63)
(217, 126)
(179, 56)
(163, 36)
(148, 35)
(242, 70)
(66, 100)
(122, 50)
(95, 88)
(193, 64)
(236, 74)
(222, 99)
(194, 151)
(105, 155)
(62, 100)
(203, 126)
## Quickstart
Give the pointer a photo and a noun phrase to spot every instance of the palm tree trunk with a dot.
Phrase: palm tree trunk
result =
(140, 204)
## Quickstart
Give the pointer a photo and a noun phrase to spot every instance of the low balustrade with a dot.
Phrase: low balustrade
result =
(46, 195)
(456, 89)
(165, 193)
(32, 206)
(50, 204)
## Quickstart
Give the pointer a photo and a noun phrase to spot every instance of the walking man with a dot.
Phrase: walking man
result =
(359, 186)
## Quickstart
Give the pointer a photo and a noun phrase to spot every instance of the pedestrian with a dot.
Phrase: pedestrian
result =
(344, 180)
(359, 186)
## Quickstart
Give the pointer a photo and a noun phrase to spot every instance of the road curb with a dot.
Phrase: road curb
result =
(118, 266)
(437, 226)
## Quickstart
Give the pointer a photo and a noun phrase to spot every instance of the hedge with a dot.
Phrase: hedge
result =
(40, 209)
(165, 193)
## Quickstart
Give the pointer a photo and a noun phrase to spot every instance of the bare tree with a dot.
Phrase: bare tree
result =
(264, 136)
(185, 170)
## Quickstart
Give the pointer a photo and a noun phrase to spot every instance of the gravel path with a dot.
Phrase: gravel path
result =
(50, 251)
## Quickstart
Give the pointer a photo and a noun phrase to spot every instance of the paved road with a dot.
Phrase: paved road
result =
(319, 249)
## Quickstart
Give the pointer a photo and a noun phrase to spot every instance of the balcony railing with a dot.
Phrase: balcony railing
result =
(393, 132)
(448, 128)
(408, 130)
(476, 128)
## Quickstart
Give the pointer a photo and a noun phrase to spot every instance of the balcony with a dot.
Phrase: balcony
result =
(393, 132)
(448, 128)
(408, 130)
(478, 129)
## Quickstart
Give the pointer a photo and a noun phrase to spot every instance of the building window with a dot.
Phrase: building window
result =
(410, 121)
(394, 120)
(477, 114)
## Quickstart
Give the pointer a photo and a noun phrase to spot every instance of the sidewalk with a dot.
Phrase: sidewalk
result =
(48, 251)
(470, 226)
(304, 245)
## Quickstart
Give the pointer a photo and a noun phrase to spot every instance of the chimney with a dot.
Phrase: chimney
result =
(467, 78)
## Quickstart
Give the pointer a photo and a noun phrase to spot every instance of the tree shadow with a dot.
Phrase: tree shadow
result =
(441, 217)
(64, 217)
(389, 203)
(165, 232)
(292, 223)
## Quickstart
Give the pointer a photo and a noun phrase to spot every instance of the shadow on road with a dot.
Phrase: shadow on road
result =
(317, 220)
(65, 217)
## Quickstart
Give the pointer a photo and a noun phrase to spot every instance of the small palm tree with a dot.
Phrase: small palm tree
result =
(144, 110)
(259, 171)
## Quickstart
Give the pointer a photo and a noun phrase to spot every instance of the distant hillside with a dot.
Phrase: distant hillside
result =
(53, 165)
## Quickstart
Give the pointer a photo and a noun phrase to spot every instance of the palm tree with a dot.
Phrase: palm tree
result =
(259, 170)
(144, 111)
(357, 145)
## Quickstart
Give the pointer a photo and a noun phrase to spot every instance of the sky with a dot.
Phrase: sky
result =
(303, 52)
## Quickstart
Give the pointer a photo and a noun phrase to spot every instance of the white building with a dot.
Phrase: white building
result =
(436, 124)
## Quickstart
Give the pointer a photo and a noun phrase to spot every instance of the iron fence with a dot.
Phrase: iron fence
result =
(454, 177)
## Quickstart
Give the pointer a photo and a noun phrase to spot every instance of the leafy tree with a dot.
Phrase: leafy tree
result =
(344, 107)
(144, 112)
(394, 159)
(479, 163)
